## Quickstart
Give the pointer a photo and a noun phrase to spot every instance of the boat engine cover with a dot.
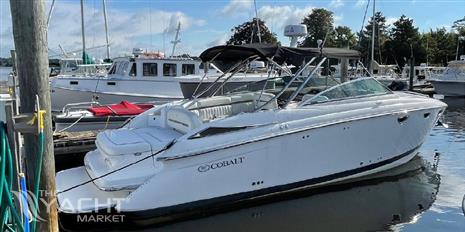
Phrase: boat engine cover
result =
(120, 142)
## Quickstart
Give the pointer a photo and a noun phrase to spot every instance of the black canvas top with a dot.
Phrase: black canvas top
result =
(280, 54)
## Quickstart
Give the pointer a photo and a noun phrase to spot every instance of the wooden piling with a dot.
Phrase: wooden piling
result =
(30, 37)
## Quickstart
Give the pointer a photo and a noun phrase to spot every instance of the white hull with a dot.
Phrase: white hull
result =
(63, 96)
(296, 155)
(449, 88)
(88, 126)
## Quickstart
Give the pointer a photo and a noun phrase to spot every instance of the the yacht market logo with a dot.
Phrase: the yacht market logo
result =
(221, 164)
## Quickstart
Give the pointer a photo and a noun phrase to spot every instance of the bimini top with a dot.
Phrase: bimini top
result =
(279, 54)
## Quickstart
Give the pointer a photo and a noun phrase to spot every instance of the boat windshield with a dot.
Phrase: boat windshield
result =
(362, 87)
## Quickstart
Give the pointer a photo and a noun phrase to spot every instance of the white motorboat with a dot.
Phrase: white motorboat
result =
(452, 81)
(184, 157)
(147, 77)
(91, 116)
(144, 78)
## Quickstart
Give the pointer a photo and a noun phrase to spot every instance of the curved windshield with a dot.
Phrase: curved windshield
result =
(362, 87)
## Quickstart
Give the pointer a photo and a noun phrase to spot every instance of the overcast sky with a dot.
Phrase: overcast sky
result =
(151, 24)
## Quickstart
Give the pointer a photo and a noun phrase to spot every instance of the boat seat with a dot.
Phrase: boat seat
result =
(242, 103)
(118, 148)
(182, 120)
(125, 141)
(212, 108)
(263, 98)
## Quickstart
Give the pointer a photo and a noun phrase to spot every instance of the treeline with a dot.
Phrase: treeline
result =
(394, 44)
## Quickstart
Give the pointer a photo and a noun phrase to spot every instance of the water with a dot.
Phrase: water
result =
(4, 71)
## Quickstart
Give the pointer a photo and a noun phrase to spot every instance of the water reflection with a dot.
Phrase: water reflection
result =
(374, 203)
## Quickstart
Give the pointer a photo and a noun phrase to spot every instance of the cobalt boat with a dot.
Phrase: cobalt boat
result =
(187, 156)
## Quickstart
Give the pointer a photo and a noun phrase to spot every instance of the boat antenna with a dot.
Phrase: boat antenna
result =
(373, 38)
(257, 22)
(363, 21)
(82, 29)
(63, 51)
(50, 13)
(176, 39)
(106, 28)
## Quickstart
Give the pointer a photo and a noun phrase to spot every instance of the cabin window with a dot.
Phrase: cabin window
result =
(113, 68)
(121, 68)
(188, 69)
(133, 71)
(169, 70)
(150, 69)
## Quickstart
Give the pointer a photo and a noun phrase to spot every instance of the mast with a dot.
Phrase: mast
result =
(106, 27)
(373, 39)
(50, 12)
(176, 39)
(82, 32)
(257, 22)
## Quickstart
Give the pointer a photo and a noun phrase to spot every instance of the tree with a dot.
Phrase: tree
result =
(344, 37)
(247, 33)
(318, 23)
(381, 36)
(440, 46)
(404, 41)
(459, 26)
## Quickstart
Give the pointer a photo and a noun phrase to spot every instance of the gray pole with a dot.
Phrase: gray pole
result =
(82, 30)
(106, 27)
(30, 38)
(258, 23)
(50, 12)
(373, 38)
(458, 46)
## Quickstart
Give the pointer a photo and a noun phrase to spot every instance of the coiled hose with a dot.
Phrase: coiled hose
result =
(7, 207)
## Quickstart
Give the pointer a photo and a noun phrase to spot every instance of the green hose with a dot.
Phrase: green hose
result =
(37, 179)
(6, 182)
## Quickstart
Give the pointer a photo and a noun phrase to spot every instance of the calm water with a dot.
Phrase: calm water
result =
(4, 71)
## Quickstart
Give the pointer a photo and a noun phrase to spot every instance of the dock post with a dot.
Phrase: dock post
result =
(30, 37)
(412, 73)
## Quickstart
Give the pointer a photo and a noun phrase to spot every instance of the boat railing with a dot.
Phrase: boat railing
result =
(80, 105)
(295, 76)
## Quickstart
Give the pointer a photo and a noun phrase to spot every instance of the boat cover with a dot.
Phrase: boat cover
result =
(121, 109)
(280, 54)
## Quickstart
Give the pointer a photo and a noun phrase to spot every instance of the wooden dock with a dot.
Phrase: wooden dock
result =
(71, 147)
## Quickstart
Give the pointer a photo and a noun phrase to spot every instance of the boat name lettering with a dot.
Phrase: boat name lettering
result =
(220, 164)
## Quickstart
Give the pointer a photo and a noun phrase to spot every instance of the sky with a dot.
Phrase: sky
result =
(204, 23)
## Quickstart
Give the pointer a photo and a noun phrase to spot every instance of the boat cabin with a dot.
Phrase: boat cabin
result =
(149, 66)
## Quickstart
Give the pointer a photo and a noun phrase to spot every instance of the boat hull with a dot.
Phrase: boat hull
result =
(449, 88)
(63, 96)
(89, 123)
(231, 203)
(290, 160)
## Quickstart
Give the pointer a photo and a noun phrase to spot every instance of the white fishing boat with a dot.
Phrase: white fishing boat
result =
(187, 156)
(452, 81)
(143, 78)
